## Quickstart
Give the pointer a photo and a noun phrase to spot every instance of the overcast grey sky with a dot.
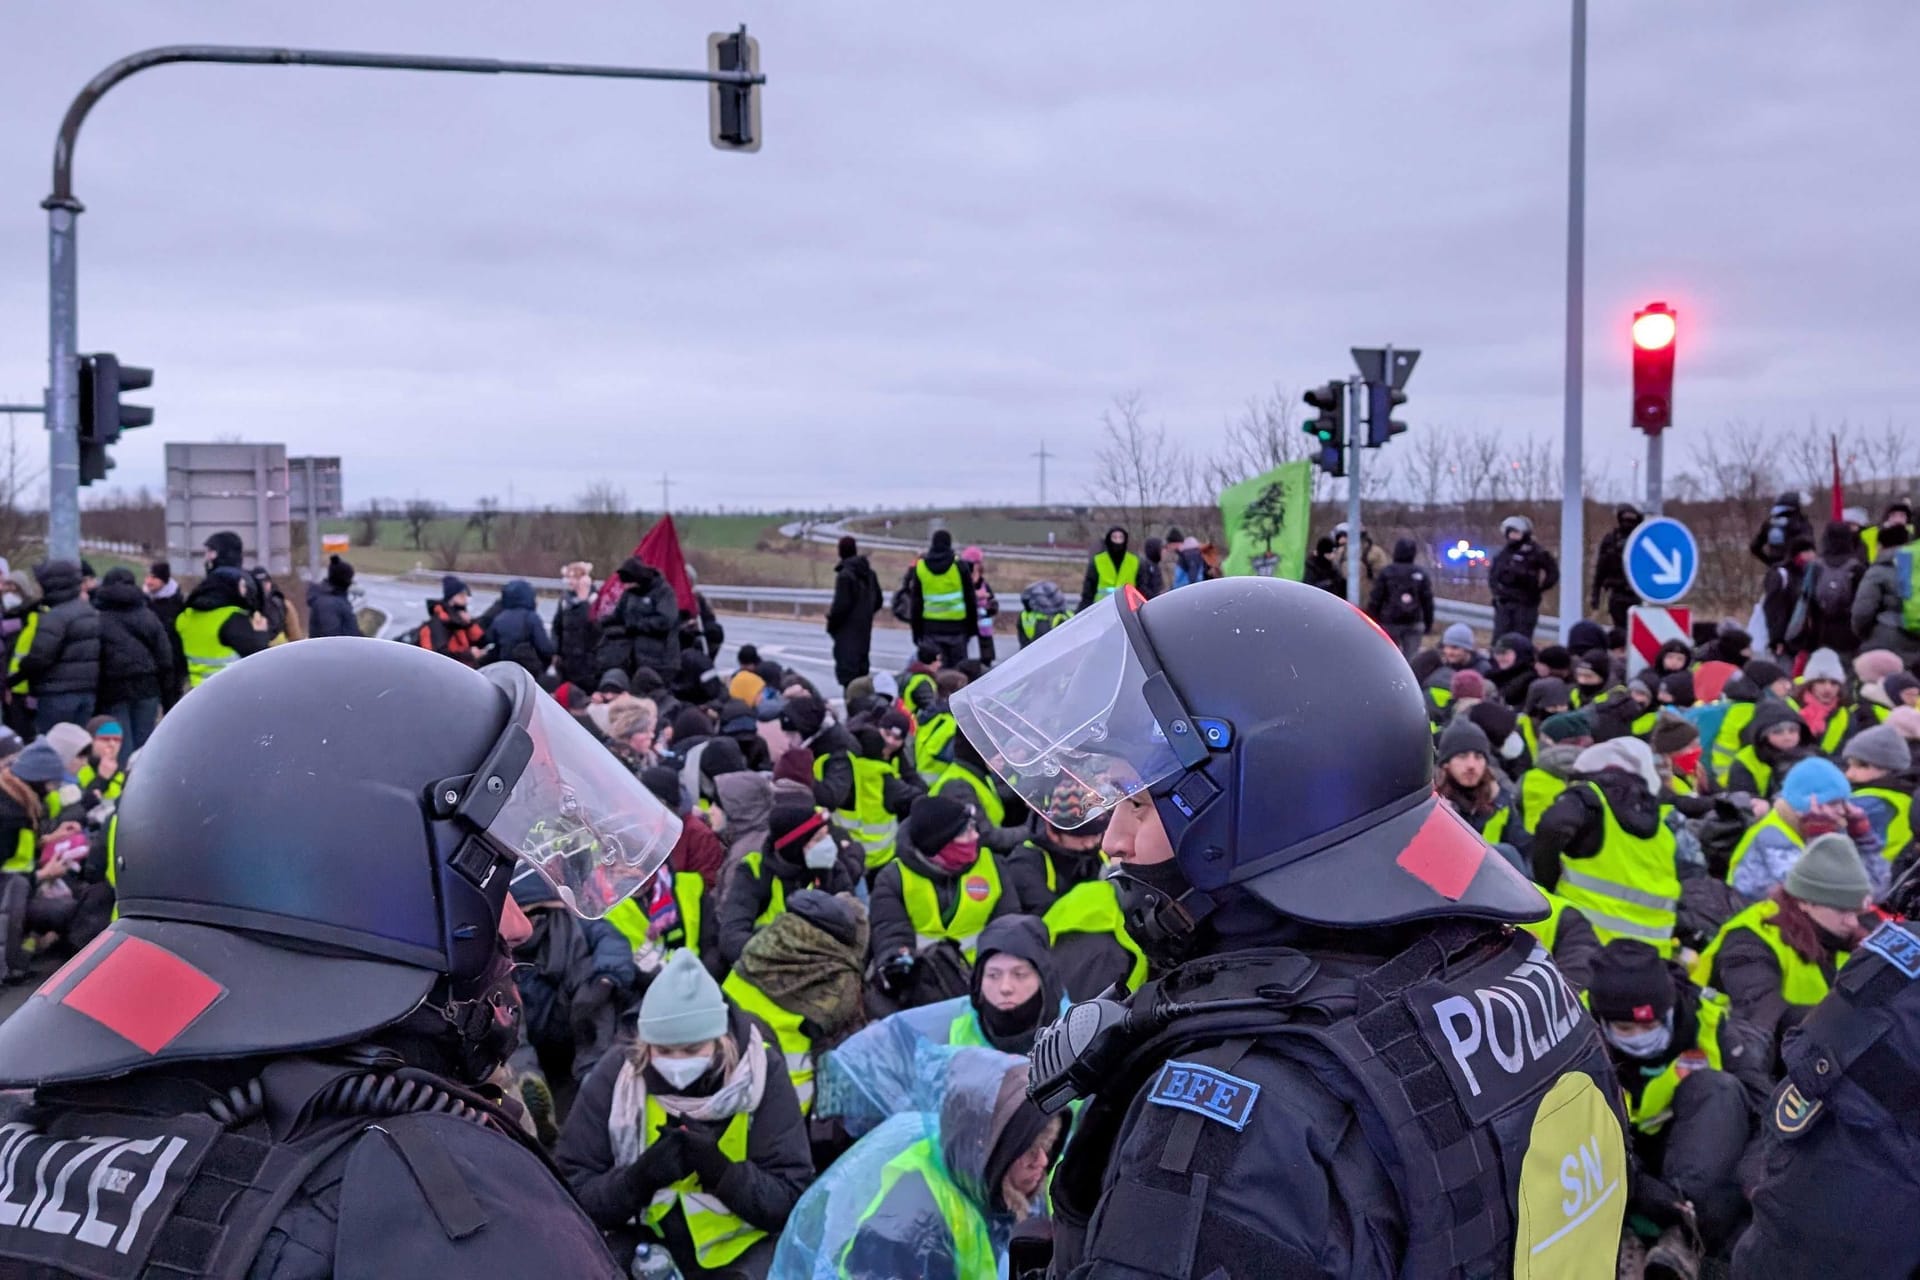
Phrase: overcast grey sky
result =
(970, 226)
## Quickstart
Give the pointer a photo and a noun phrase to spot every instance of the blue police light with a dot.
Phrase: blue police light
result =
(1465, 551)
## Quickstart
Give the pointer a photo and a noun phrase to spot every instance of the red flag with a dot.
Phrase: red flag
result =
(1839, 489)
(658, 549)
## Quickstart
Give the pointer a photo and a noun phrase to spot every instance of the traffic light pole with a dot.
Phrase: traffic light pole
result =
(1354, 442)
(63, 211)
(1656, 458)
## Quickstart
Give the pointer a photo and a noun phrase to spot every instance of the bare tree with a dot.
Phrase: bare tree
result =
(419, 513)
(369, 523)
(604, 529)
(1427, 468)
(1140, 471)
(485, 512)
(19, 476)
(448, 546)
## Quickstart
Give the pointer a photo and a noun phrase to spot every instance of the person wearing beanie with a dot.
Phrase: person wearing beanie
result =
(1469, 687)
(1554, 746)
(630, 726)
(1740, 698)
(694, 1135)
(36, 784)
(868, 781)
(1692, 1079)
(804, 851)
(1814, 797)
(988, 604)
(1905, 721)
(330, 610)
(1775, 740)
(1676, 690)
(937, 601)
(1513, 668)
(1111, 567)
(1675, 743)
(166, 600)
(1872, 538)
(1556, 661)
(1822, 702)
(1400, 599)
(1590, 671)
(1438, 668)
(1059, 874)
(943, 886)
(857, 598)
(1604, 846)
(1882, 617)
(643, 627)
(940, 1201)
(803, 975)
(450, 629)
(1014, 991)
(1879, 767)
(1469, 782)
(1776, 959)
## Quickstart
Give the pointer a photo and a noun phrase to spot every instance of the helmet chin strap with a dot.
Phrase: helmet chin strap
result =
(1163, 911)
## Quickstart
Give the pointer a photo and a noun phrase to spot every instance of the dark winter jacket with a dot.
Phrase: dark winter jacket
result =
(700, 631)
(761, 1190)
(1575, 827)
(1402, 593)
(1779, 593)
(65, 654)
(643, 629)
(231, 589)
(578, 974)
(1025, 938)
(1767, 715)
(1744, 1052)
(1514, 681)
(575, 637)
(134, 649)
(892, 926)
(517, 632)
(1748, 971)
(1321, 571)
(1522, 572)
(1029, 867)
(329, 611)
(1876, 608)
(833, 788)
(1153, 579)
(750, 887)
(1785, 525)
(167, 606)
(856, 597)
(1610, 564)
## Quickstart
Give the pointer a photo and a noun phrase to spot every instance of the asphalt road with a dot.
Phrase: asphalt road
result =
(799, 644)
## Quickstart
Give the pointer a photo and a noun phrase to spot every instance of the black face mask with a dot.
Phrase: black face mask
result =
(1832, 941)
(1011, 1030)
(485, 1015)
(1164, 927)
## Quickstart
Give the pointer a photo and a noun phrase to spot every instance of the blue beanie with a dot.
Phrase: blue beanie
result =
(1814, 781)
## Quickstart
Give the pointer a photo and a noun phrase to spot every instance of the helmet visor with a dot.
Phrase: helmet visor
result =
(579, 818)
(1067, 713)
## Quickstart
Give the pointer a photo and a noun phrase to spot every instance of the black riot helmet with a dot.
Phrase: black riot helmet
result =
(317, 843)
(1281, 734)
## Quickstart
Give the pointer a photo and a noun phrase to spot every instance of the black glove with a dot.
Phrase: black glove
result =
(662, 1164)
(704, 1157)
(896, 971)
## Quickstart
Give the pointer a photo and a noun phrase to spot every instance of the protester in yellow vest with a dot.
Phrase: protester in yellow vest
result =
(804, 851)
(694, 1135)
(1899, 512)
(26, 781)
(1110, 569)
(969, 781)
(221, 623)
(1604, 846)
(1775, 740)
(802, 974)
(865, 773)
(941, 611)
(1776, 959)
(1756, 682)
(1815, 797)
(942, 887)
(1692, 1080)
(1879, 766)
(1676, 753)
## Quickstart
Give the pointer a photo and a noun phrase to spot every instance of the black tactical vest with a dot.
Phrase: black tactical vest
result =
(1459, 1056)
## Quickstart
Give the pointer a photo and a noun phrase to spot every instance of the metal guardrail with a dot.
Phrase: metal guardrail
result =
(1477, 616)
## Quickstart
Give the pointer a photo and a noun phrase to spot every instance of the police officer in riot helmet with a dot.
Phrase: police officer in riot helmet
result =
(1346, 1061)
(275, 1063)
(1839, 1196)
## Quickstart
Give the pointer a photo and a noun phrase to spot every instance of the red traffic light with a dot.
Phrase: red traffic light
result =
(1655, 328)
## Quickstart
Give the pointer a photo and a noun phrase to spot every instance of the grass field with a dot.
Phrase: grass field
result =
(394, 552)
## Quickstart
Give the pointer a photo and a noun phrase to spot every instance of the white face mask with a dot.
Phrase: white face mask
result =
(822, 853)
(10, 600)
(1650, 1043)
(681, 1072)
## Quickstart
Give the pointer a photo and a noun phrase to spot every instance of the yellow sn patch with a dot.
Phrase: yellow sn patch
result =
(1573, 1186)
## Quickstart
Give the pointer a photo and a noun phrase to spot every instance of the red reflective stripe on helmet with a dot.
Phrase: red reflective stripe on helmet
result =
(144, 994)
(1444, 854)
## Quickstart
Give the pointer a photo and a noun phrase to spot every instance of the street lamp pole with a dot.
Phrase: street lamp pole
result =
(63, 211)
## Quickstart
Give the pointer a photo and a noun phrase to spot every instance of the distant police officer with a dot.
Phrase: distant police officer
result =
(1841, 1194)
(1348, 1064)
(272, 1064)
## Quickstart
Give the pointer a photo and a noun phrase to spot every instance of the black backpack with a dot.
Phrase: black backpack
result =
(1402, 608)
(1830, 589)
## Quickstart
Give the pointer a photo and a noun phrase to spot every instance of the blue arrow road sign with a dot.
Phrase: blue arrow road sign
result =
(1662, 558)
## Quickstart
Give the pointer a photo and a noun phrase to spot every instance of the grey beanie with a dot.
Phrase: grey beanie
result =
(1459, 634)
(1462, 736)
(1829, 874)
(1882, 747)
(684, 1004)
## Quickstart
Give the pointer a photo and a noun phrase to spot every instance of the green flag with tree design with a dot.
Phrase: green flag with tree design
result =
(1266, 521)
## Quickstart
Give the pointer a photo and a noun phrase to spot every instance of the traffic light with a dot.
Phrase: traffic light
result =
(102, 416)
(1330, 428)
(1655, 329)
(1381, 402)
(733, 110)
